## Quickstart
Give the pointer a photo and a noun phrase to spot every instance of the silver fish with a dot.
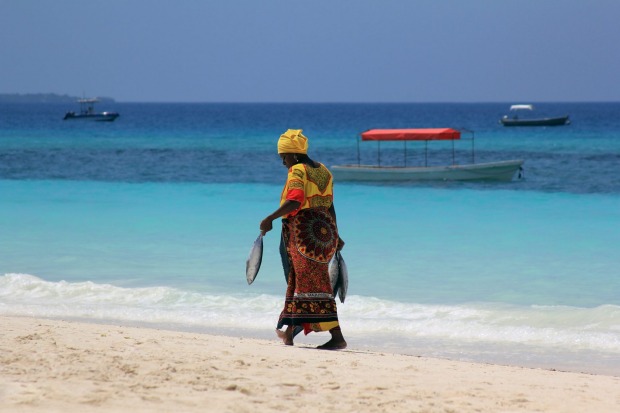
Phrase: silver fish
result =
(343, 278)
(252, 264)
(333, 273)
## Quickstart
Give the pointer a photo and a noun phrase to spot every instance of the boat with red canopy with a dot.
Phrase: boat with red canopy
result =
(494, 171)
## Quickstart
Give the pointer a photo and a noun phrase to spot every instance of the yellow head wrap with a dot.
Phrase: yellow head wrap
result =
(293, 141)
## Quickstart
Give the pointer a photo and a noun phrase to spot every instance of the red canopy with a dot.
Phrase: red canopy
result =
(411, 134)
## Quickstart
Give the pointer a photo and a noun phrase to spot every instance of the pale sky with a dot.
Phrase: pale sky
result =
(313, 50)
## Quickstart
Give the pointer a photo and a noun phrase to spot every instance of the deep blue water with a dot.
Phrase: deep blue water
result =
(149, 219)
(227, 143)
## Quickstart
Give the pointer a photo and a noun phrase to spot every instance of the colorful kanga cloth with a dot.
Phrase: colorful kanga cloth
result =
(310, 238)
(311, 187)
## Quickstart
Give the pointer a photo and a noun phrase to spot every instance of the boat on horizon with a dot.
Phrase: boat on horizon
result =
(487, 171)
(515, 120)
(87, 112)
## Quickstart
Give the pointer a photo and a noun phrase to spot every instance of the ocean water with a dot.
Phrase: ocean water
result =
(148, 220)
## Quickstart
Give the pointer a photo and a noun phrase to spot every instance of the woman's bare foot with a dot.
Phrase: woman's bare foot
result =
(333, 345)
(337, 341)
(286, 336)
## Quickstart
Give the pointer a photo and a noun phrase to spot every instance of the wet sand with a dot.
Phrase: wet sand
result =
(65, 366)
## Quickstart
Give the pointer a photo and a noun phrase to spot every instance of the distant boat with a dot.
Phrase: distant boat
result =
(514, 119)
(488, 171)
(87, 112)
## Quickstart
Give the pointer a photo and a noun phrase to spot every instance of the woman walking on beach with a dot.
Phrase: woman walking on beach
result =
(310, 238)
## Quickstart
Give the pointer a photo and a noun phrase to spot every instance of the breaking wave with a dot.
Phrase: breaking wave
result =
(480, 324)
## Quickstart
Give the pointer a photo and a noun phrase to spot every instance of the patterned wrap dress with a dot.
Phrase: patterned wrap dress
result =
(309, 241)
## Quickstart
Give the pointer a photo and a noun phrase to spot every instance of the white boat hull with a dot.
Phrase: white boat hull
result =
(490, 171)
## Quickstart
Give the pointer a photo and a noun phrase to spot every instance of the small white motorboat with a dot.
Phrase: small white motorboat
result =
(87, 112)
(515, 120)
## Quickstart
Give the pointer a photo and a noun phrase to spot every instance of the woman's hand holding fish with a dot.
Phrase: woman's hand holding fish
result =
(266, 225)
(287, 207)
(340, 244)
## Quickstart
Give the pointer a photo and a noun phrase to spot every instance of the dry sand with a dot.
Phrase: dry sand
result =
(60, 366)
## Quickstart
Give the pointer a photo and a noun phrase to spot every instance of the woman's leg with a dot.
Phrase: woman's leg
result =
(286, 336)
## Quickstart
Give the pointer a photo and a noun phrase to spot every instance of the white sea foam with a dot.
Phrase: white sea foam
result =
(480, 324)
(23, 294)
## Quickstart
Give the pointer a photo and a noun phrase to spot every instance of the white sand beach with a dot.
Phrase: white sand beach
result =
(65, 366)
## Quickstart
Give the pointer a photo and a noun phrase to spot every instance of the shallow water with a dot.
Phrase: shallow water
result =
(149, 219)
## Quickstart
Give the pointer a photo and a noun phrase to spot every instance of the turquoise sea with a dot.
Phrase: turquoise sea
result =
(148, 220)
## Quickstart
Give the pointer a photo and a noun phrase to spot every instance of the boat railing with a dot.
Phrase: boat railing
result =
(466, 131)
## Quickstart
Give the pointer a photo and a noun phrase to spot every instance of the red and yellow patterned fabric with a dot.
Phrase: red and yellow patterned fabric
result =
(311, 239)
(311, 187)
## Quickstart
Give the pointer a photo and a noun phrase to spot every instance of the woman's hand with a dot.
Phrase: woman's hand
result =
(287, 207)
(266, 225)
